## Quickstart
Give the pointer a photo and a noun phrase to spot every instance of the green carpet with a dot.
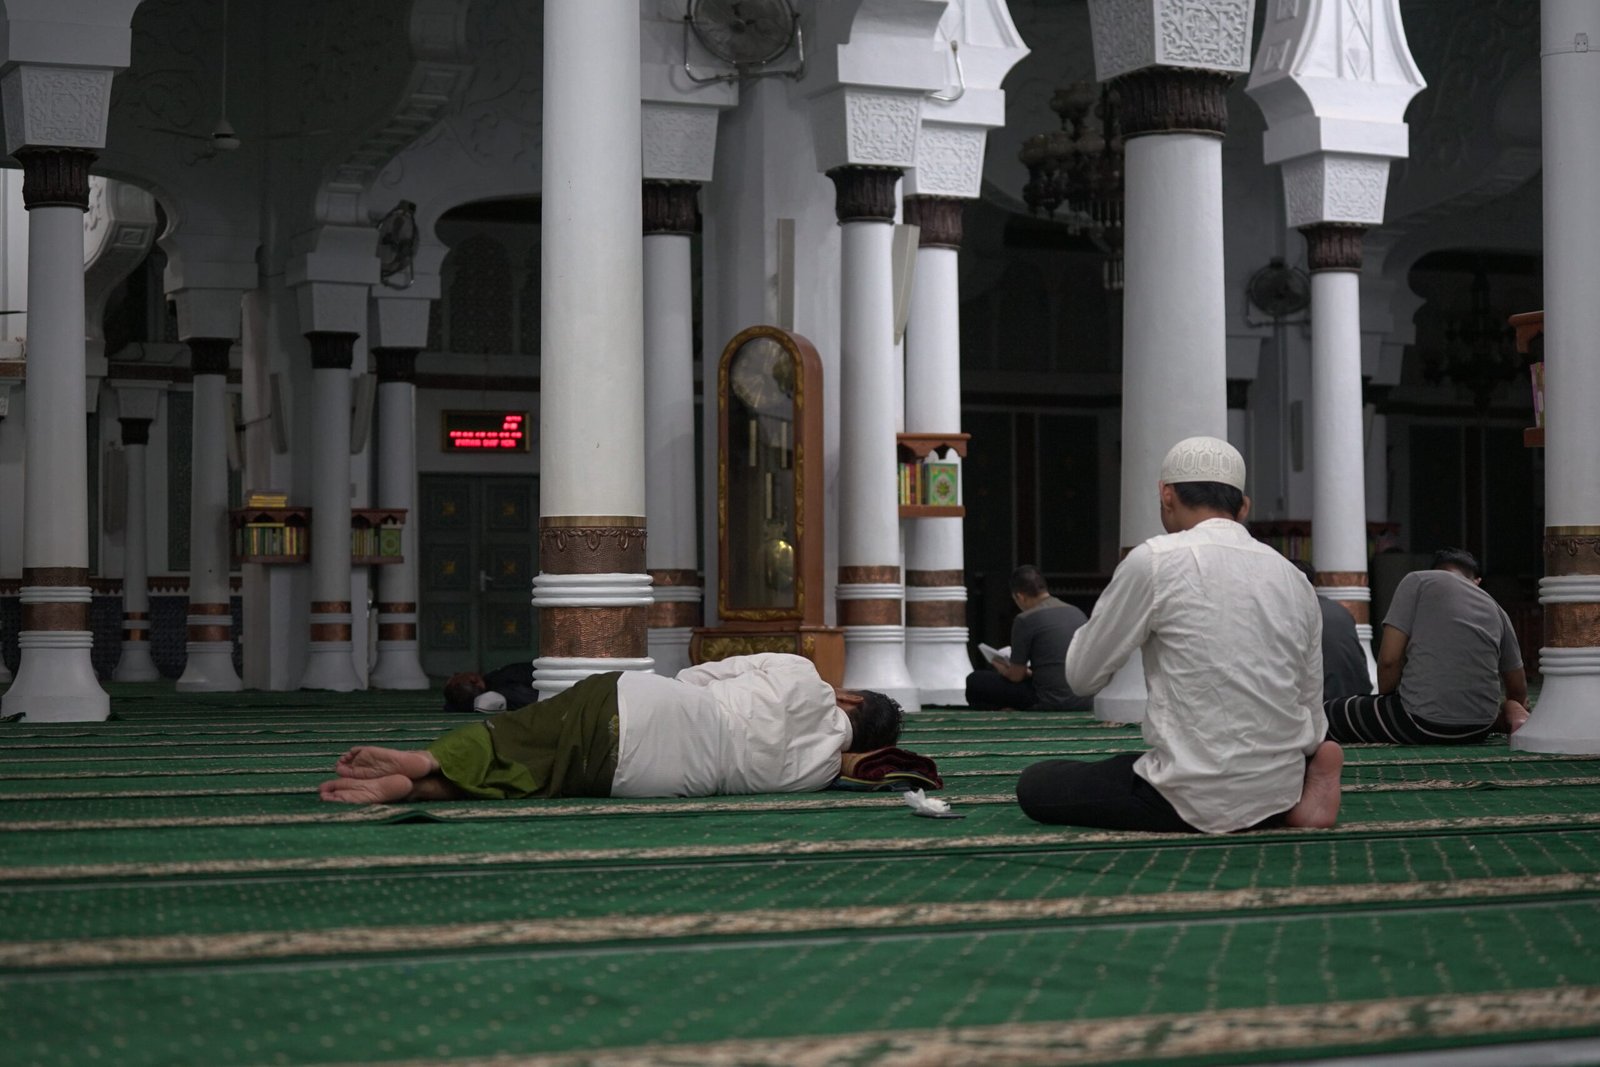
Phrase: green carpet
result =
(172, 892)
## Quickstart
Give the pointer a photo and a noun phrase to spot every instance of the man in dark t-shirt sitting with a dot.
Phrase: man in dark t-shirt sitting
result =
(1344, 664)
(1035, 675)
(1447, 651)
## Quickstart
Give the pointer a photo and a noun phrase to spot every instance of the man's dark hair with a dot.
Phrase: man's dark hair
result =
(1212, 496)
(875, 722)
(1306, 569)
(1458, 559)
(461, 690)
(1027, 581)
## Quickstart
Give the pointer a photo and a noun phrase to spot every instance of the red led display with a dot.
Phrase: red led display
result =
(485, 431)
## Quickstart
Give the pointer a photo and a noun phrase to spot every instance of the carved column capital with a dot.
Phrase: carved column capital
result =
(671, 207)
(135, 431)
(209, 355)
(55, 177)
(1238, 393)
(1376, 395)
(864, 194)
(1173, 100)
(1333, 246)
(939, 219)
(332, 349)
(396, 364)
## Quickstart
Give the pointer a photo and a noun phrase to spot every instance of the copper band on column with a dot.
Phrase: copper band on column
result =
(593, 544)
(1173, 100)
(936, 613)
(1333, 246)
(209, 633)
(674, 614)
(209, 355)
(57, 616)
(395, 364)
(330, 631)
(1571, 550)
(929, 579)
(864, 194)
(885, 612)
(1572, 625)
(397, 607)
(869, 575)
(397, 631)
(210, 609)
(1360, 610)
(671, 207)
(55, 177)
(603, 633)
(62, 576)
(330, 607)
(938, 219)
(332, 349)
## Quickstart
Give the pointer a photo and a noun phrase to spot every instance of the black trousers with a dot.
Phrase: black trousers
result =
(1106, 794)
(1384, 720)
(989, 691)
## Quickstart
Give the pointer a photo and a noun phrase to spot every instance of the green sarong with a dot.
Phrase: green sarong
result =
(565, 746)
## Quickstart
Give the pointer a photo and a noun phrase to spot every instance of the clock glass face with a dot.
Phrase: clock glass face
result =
(762, 481)
(746, 33)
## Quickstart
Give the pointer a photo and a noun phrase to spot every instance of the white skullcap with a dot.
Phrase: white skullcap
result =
(1203, 459)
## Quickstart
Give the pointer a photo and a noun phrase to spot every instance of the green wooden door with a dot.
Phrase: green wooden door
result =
(479, 545)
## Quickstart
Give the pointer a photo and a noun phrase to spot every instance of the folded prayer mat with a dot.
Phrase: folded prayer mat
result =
(886, 768)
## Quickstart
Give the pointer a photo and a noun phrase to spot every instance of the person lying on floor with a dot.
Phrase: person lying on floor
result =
(748, 724)
(505, 687)
(1231, 638)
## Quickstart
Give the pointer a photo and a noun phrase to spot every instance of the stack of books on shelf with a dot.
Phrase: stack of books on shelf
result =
(269, 539)
(266, 498)
(375, 542)
(934, 484)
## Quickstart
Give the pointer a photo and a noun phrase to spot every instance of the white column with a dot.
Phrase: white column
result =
(1567, 716)
(592, 592)
(328, 658)
(936, 591)
(55, 679)
(870, 592)
(398, 665)
(671, 553)
(135, 664)
(209, 663)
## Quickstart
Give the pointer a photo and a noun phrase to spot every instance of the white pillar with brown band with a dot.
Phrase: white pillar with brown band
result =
(936, 586)
(55, 680)
(870, 594)
(592, 592)
(208, 666)
(671, 216)
(398, 665)
(135, 663)
(328, 657)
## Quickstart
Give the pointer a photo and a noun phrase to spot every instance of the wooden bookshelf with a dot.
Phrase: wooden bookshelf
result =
(932, 511)
(270, 535)
(375, 536)
(1529, 327)
(917, 446)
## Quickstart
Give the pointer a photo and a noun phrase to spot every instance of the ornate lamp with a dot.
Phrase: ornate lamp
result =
(1478, 353)
(1078, 170)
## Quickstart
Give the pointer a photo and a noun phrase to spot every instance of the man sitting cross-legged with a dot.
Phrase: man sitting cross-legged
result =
(1447, 650)
(1231, 638)
(748, 724)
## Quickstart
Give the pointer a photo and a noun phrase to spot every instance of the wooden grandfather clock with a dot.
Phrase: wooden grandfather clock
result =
(770, 505)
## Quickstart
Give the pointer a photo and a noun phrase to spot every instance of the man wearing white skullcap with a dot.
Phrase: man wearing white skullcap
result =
(1231, 639)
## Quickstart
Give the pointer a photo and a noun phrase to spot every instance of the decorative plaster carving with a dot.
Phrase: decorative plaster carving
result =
(61, 107)
(949, 161)
(680, 142)
(1130, 35)
(881, 128)
(1335, 188)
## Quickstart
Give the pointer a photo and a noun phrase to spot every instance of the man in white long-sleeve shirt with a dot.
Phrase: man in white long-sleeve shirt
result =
(1231, 639)
(749, 724)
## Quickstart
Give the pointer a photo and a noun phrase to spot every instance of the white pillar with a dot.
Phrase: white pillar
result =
(1567, 717)
(870, 592)
(135, 664)
(398, 665)
(209, 663)
(671, 553)
(1174, 348)
(936, 590)
(328, 659)
(592, 591)
(55, 679)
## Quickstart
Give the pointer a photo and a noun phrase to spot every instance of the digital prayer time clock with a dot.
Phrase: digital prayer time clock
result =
(485, 431)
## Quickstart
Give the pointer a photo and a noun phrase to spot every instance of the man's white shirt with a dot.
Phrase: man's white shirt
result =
(1232, 645)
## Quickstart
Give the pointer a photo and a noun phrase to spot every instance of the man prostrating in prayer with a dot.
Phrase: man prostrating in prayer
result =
(749, 724)
(1232, 644)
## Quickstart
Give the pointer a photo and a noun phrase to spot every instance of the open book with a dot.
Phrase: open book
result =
(992, 654)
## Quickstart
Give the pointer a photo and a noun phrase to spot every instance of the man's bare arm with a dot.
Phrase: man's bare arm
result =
(1516, 683)
(1391, 658)
(1011, 672)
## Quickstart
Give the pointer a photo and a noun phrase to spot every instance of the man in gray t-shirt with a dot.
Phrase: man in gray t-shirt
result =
(1035, 675)
(1447, 650)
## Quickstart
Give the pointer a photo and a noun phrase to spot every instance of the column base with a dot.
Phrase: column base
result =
(669, 648)
(875, 658)
(1567, 716)
(55, 680)
(328, 666)
(398, 666)
(1364, 631)
(209, 668)
(557, 674)
(937, 659)
(135, 664)
(1125, 697)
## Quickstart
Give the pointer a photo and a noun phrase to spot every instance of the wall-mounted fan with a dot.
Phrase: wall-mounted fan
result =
(1279, 290)
(746, 34)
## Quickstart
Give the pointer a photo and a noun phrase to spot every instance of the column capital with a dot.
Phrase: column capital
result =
(55, 106)
(937, 217)
(135, 431)
(1201, 35)
(864, 194)
(55, 177)
(396, 364)
(671, 207)
(679, 141)
(949, 160)
(332, 349)
(1170, 100)
(1238, 393)
(1333, 246)
(209, 355)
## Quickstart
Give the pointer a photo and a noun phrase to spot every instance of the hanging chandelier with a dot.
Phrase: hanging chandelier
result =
(1077, 171)
(1478, 353)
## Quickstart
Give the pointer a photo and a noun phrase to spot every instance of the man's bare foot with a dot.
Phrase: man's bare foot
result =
(369, 761)
(1513, 716)
(1319, 797)
(385, 790)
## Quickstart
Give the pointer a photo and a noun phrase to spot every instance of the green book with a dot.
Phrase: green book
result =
(943, 481)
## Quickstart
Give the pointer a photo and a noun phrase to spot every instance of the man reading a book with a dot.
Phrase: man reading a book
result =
(1032, 674)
